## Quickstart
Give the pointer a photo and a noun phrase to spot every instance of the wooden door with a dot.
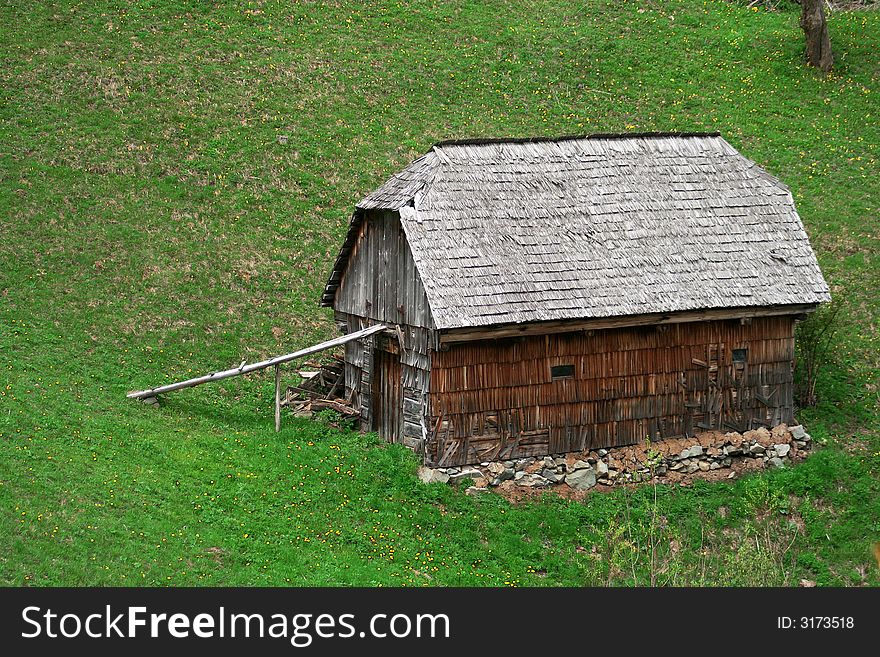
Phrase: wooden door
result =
(387, 397)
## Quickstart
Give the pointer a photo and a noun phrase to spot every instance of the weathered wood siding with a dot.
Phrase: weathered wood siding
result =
(388, 400)
(497, 399)
(381, 281)
(382, 284)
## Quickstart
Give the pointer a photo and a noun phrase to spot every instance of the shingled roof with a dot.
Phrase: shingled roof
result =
(513, 231)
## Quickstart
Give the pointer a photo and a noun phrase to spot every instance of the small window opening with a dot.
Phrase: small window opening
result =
(558, 372)
(740, 355)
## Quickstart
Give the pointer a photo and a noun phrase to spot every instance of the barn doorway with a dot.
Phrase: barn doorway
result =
(387, 395)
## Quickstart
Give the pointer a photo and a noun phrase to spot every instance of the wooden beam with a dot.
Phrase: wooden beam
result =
(245, 369)
(543, 328)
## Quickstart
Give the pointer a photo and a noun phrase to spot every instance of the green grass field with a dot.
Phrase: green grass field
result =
(156, 225)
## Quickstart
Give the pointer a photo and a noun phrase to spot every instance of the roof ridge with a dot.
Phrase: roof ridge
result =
(478, 141)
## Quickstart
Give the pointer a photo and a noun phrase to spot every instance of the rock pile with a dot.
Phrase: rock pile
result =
(767, 448)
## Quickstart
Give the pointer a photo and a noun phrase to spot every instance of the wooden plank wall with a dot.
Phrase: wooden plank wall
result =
(381, 281)
(388, 402)
(496, 398)
(382, 284)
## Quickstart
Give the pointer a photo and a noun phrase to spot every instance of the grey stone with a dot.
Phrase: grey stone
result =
(696, 450)
(495, 468)
(776, 462)
(580, 465)
(519, 475)
(466, 473)
(505, 475)
(475, 490)
(692, 467)
(797, 432)
(725, 463)
(613, 474)
(603, 452)
(581, 479)
(430, 475)
(685, 453)
(807, 437)
(782, 449)
(714, 465)
(730, 450)
(661, 470)
(757, 448)
(550, 476)
(601, 468)
(676, 466)
(532, 481)
(703, 466)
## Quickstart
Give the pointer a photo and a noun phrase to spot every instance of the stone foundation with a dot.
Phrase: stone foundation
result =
(668, 459)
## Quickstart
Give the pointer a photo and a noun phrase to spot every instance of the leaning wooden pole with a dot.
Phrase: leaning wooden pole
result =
(277, 398)
(245, 369)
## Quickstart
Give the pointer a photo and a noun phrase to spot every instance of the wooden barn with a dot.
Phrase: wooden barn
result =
(556, 295)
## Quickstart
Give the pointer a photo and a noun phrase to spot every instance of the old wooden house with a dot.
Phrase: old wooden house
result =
(552, 295)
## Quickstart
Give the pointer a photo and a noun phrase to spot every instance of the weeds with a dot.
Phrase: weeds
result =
(814, 338)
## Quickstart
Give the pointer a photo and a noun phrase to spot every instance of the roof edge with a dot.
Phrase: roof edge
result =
(546, 327)
(478, 141)
(334, 278)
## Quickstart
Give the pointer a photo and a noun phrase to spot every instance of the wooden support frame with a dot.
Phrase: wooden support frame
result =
(276, 362)
(246, 369)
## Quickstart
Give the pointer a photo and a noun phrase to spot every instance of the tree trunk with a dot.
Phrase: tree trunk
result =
(816, 29)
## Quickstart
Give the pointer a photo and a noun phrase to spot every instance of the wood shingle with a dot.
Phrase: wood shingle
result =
(603, 226)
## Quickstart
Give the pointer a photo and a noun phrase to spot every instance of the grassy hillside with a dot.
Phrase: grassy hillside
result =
(176, 178)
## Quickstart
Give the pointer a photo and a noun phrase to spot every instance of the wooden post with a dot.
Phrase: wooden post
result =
(277, 398)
